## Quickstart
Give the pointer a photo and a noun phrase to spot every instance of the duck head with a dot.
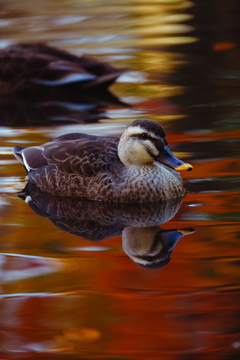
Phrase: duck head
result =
(143, 142)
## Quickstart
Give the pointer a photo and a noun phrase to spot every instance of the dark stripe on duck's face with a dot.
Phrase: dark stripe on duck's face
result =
(158, 142)
(166, 157)
(141, 136)
(149, 126)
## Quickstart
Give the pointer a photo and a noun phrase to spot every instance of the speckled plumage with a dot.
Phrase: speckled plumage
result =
(85, 166)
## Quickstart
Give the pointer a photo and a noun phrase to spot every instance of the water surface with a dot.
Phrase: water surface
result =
(65, 296)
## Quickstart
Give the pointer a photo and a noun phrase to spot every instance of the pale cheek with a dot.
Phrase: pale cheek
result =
(140, 156)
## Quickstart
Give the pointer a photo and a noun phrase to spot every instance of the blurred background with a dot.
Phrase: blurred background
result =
(64, 296)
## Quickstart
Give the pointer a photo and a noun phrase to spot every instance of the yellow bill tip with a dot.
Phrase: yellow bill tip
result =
(186, 166)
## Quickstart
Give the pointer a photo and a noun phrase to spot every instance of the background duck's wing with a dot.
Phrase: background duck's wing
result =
(91, 65)
(40, 64)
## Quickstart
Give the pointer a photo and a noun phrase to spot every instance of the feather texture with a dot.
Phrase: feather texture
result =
(86, 166)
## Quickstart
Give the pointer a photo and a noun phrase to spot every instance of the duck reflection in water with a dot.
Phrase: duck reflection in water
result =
(42, 85)
(143, 239)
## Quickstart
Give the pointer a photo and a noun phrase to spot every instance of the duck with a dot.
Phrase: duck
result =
(137, 167)
(36, 69)
(49, 86)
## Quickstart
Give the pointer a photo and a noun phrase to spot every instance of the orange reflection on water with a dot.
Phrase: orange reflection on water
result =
(65, 297)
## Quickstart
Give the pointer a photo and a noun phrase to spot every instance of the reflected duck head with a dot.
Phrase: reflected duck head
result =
(151, 247)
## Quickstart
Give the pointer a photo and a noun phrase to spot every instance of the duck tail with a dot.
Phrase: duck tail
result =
(103, 81)
(17, 151)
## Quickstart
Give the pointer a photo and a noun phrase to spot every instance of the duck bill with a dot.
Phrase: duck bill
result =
(166, 157)
(171, 237)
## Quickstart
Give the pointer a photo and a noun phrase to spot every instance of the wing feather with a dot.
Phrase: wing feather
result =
(33, 157)
(85, 156)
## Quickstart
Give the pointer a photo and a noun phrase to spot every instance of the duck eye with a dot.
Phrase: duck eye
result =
(144, 136)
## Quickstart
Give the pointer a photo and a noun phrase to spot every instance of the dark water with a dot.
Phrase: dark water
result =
(66, 297)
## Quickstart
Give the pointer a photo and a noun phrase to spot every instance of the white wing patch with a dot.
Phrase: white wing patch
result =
(70, 78)
(33, 157)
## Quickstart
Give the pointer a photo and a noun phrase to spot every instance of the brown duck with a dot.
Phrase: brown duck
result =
(28, 69)
(49, 86)
(137, 167)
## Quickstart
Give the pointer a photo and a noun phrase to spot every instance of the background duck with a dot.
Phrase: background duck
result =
(138, 167)
(42, 85)
(32, 68)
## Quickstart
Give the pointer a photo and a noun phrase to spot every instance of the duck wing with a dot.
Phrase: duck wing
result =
(80, 154)
(91, 65)
(30, 62)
